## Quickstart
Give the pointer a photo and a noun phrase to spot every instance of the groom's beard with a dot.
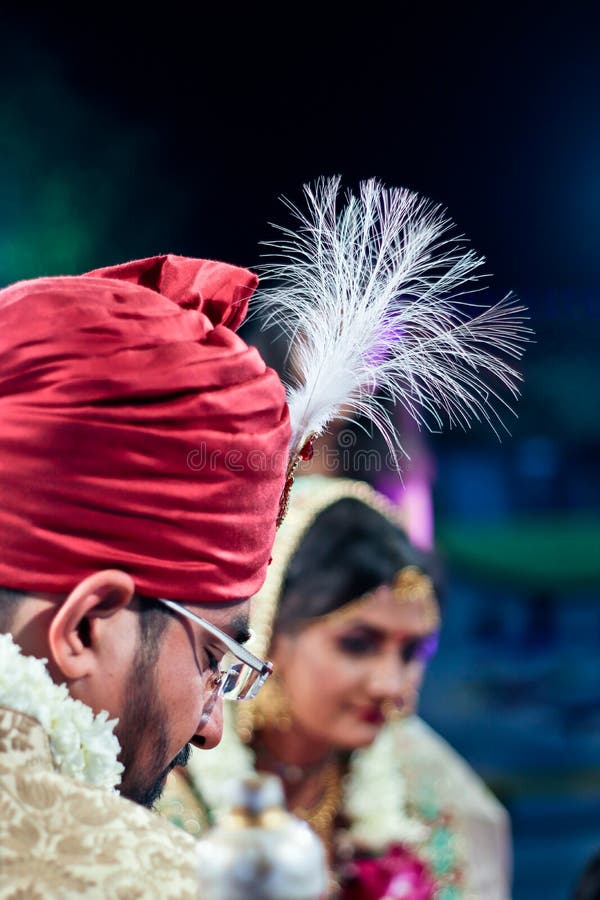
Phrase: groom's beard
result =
(147, 793)
(144, 737)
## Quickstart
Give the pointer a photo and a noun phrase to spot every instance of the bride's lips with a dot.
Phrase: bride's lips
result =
(372, 715)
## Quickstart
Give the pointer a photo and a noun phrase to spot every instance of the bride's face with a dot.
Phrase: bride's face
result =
(343, 674)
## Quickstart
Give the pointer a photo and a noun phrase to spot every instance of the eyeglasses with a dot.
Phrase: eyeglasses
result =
(241, 674)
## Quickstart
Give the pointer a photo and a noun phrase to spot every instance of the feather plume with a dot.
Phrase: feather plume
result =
(374, 297)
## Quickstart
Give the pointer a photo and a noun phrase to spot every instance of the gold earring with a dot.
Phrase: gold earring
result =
(392, 712)
(271, 707)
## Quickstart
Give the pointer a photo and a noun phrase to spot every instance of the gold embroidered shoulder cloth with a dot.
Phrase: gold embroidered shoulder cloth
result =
(61, 838)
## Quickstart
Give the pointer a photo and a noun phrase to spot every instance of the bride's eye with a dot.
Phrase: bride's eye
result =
(356, 645)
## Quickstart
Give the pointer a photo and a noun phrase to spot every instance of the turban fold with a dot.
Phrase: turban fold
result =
(138, 432)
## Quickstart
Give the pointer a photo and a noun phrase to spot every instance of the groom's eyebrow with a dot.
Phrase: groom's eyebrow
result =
(239, 629)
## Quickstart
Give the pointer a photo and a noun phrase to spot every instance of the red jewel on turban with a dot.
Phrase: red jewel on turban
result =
(138, 432)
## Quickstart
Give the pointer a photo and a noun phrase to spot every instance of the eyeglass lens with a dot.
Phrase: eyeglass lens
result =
(238, 682)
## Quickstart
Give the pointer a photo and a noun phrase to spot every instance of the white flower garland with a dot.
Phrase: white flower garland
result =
(83, 745)
(375, 795)
(374, 789)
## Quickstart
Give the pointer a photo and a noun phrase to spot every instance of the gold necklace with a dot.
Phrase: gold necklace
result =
(321, 814)
(290, 773)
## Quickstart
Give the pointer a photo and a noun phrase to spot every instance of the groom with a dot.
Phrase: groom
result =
(132, 421)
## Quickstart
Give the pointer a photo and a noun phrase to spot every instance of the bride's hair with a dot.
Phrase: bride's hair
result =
(348, 550)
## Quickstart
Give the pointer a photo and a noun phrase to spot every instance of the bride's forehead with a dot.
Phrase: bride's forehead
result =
(384, 612)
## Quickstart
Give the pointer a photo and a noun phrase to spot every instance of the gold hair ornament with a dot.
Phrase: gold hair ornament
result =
(410, 587)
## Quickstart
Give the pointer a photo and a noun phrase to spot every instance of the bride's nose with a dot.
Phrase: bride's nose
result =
(389, 679)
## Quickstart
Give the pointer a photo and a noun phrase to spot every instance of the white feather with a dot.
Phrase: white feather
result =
(372, 299)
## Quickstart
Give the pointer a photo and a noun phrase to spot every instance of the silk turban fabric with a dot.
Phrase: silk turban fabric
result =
(138, 432)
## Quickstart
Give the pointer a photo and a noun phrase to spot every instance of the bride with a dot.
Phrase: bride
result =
(350, 617)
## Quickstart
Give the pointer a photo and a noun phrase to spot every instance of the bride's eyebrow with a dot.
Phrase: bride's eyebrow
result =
(376, 632)
(363, 627)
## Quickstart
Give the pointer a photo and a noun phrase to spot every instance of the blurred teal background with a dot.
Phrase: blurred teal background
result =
(176, 132)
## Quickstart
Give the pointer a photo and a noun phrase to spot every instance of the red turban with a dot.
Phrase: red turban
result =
(138, 432)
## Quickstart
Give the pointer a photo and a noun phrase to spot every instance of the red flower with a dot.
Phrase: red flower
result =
(398, 875)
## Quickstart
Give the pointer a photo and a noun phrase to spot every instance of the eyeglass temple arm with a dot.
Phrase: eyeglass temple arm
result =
(236, 648)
